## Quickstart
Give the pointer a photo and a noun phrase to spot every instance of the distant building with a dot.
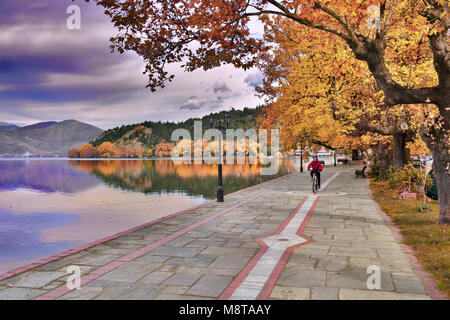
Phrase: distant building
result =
(26, 155)
(323, 155)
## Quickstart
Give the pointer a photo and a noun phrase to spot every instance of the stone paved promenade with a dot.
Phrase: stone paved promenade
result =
(272, 241)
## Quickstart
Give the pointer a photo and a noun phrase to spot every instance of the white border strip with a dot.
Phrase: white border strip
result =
(250, 288)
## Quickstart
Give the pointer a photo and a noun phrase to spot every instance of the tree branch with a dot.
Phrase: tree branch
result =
(324, 144)
(351, 36)
(302, 21)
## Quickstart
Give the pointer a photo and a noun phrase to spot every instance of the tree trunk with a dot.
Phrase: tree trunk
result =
(400, 155)
(436, 138)
(442, 180)
(383, 156)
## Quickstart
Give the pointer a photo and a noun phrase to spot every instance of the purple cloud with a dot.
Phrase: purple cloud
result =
(189, 107)
(50, 72)
(254, 79)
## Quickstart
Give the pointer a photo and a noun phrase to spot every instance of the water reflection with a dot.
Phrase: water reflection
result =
(20, 234)
(163, 176)
(44, 176)
(49, 206)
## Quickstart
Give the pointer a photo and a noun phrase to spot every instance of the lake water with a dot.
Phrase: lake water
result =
(50, 206)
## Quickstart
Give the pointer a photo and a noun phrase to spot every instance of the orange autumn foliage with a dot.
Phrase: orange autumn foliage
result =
(88, 151)
(106, 150)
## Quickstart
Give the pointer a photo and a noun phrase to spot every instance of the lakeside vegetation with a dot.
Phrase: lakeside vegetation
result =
(152, 139)
(106, 150)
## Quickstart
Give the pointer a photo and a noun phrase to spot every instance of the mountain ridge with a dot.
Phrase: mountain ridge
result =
(7, 125)
(40, 125)
(48, 138)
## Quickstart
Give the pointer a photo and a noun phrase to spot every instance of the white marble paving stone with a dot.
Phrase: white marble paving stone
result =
(276, 241)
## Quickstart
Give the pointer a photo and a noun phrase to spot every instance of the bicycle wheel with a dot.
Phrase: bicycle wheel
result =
(314, 184)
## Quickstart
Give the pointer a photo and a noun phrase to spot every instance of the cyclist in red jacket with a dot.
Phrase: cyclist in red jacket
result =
(315, 166)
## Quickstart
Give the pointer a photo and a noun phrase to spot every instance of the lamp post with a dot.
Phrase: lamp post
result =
(298, 145)
(334, 152)
(301, 151)
(219, 166)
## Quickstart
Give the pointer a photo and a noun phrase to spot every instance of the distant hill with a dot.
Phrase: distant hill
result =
(6, 125)
(47, 138)
(135, 138)
(149, 133)
(39, 125)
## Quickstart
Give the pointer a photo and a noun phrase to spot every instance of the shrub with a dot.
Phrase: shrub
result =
(409, 177)
(372, 162)
(375, 170)
(386, 175)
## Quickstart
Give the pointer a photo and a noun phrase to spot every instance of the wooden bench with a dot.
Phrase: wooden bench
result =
(361, 172)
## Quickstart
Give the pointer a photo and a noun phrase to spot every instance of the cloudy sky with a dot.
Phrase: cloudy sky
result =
(48, 72)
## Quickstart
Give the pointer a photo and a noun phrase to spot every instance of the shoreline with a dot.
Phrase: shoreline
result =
(101, 159)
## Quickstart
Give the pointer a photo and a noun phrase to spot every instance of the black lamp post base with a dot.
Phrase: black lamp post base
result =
(301, 156)
(220, 195)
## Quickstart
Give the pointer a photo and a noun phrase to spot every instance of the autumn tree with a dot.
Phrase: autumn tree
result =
(106, 150)
(148, 153)
(88, 151)
(301, 91)
(418, 147)
(208, 33)
(129, 152)
(317, 90)
(73, 153)
(139, 152)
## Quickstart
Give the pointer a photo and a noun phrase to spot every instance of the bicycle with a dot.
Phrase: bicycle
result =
(315, 183)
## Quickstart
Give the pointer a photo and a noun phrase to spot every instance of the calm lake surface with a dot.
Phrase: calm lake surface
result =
(50, 206)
